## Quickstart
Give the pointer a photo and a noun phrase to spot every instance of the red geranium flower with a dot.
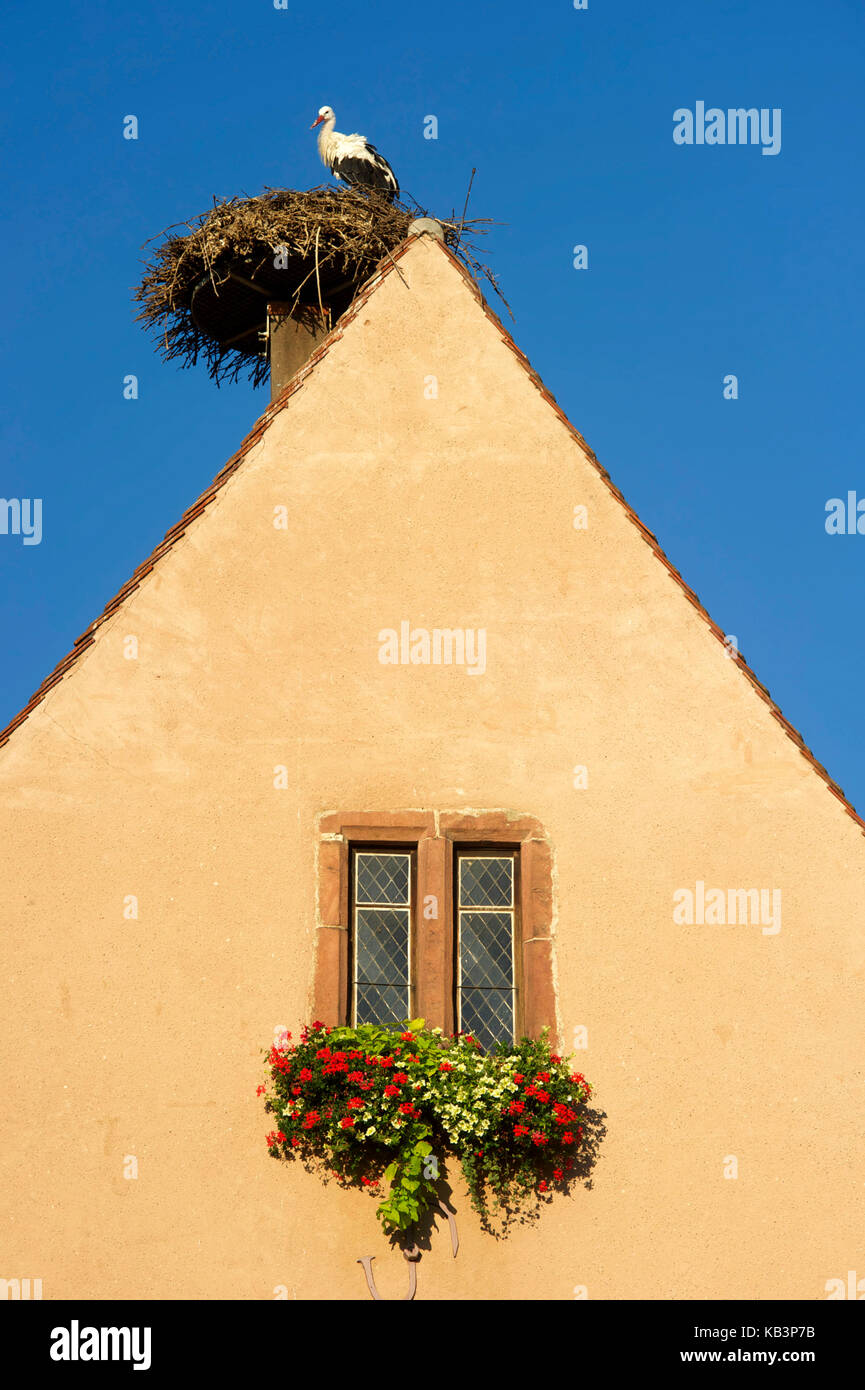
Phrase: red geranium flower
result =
(542, 1076)
(567, 1138)
(406, 1037)
(356, 1103)
(355, 1076)
(311, 1119)
(543, 1096)
(558, 1174)
(542, 1186)
(306, 1074)
(346, 1123)
(445, 1066)
(385, 1061)
(391, 1090)
(400, 1078)
(518, 1076)
(520, 1130)
(554, 1058)
(538, 1137)
(323, 1053)
(516, 1107)
(281, 1137)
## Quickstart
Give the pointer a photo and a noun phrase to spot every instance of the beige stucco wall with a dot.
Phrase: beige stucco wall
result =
(258, 647)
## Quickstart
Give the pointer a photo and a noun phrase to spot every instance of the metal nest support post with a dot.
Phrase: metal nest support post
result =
(292, 337)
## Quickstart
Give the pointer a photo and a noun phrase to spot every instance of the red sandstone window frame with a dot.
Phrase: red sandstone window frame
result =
(435, 836)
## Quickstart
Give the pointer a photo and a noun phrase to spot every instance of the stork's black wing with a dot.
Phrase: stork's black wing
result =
(372, 171)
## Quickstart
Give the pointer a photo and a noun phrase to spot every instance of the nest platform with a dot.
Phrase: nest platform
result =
(208, 283)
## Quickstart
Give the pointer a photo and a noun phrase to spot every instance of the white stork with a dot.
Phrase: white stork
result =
(352, 158)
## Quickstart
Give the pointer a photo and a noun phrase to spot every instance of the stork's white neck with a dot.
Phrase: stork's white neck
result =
(324, 137)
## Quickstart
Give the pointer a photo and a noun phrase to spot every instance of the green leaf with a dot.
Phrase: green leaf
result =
(416, 1025)
(423, 1148)
(390, 1172)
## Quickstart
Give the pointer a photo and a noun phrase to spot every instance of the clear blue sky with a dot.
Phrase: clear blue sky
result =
(703, 261)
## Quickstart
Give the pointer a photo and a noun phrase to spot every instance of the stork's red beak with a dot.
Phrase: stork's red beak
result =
(318, 120)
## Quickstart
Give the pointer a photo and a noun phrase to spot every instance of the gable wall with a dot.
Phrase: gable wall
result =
(259, 647)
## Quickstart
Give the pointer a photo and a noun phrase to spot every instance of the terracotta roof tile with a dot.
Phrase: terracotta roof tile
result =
(261, 425)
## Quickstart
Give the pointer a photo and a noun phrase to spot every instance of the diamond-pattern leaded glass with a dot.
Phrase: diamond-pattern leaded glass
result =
(382, 878)
(382, 912)
(488, 1014)
(486, 947)
(381, 946)
(487, 882)
(381, 1004)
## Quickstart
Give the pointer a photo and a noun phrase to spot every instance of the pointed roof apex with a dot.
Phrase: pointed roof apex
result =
(427, 225)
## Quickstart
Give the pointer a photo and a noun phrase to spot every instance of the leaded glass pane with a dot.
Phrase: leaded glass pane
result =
(488, 1014)
(382, 922)
(487, 881)
(382, 878)
(381, 1004)
(486, 949)
(381, 946)
(486, 945)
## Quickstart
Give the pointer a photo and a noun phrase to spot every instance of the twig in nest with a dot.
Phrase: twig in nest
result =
(317, 277)
(465, 206)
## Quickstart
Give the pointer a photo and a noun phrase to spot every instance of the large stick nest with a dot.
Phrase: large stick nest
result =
(208, 281)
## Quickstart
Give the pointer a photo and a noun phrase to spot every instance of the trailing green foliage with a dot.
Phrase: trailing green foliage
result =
(379, 1103)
